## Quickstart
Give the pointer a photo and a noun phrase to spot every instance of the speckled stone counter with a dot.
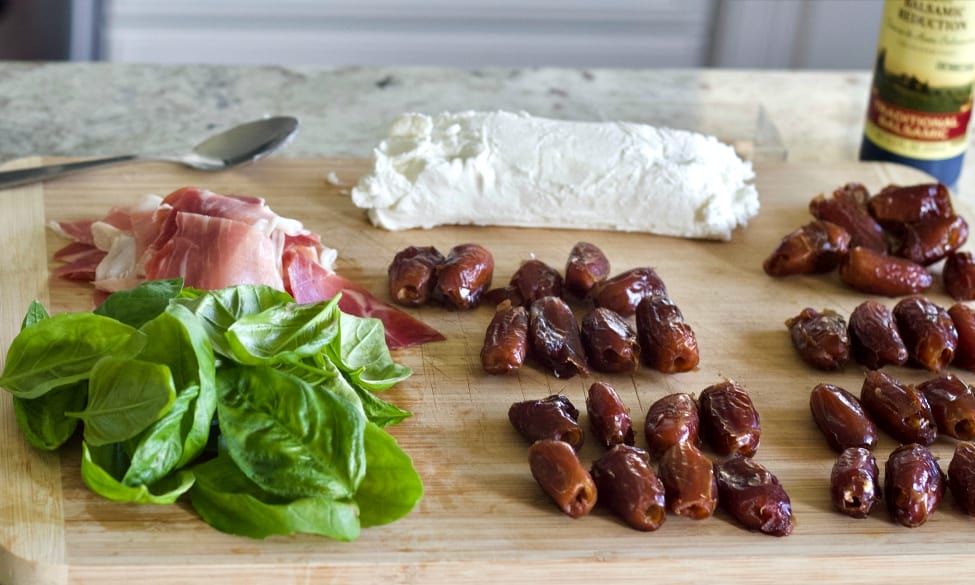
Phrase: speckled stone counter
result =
(68, 109)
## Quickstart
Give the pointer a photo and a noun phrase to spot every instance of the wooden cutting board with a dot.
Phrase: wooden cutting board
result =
(483, 518)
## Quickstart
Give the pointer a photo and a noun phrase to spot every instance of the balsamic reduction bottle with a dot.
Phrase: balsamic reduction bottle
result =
(921, 94)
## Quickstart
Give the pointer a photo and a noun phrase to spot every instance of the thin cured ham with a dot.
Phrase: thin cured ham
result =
(213, 241)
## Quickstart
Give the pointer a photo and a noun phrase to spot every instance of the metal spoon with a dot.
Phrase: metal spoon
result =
(238, 145)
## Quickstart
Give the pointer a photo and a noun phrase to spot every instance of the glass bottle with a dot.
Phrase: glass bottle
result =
(921, 93)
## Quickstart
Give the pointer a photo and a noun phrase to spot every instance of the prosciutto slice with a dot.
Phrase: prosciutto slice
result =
(213, 241)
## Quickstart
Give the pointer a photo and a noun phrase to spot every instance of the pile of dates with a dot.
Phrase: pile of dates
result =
(914, 415)
(533, 318)
(882, 244)
(917, 332)
(672, 474)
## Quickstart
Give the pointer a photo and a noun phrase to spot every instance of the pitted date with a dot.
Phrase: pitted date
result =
(930, 240)
(671, 420)
(821, 338)
(961, 476)
(667, 342)
(608, 416)
(847, 208)
(913, 485)
(557, 469)
(623, 292)
(874, 339)
(952, 405)
(854, 482)
(609, 342)
(815, 247)
(729, 421)
(628, 485)
(464, 276)
(897, 205)
(753, 496)
(586, 268)
(552, 417)
(841, 418)
(554, 338)
(928, 332)
(874, 272)
(689, 482)
(963, 317)
(535, 279)
(958, 275)
(506, 340)
(412, 275)
(897, 408)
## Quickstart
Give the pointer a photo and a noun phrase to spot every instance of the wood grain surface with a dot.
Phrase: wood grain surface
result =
(483, 518)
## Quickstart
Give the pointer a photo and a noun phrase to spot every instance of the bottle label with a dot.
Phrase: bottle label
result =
(921, 98)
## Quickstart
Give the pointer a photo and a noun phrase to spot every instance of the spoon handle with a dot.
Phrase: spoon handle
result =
(31, 175)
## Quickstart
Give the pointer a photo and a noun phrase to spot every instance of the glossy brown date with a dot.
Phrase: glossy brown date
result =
(463, 276)
(897, 205)
(854, 482)
(671, 420)
(874, 339)
(554, 338)
(930, 240)
(877, 273)
(963, 317)
(667, 342)
(608, 416)
(535, 279)
(897, 408)
(841, 418)
(958, 275)
(689, 482)
(623, 292)
(815, 247)
(411, 275)
(729, 421)
(821, 338)
(506, 340)
(961, 476)
(628, 485)
(847, 208)
(609, 342)
(557, 469)
(952, 405)
(928, 332)
(585, 269)
(553, 417)
(913, 485)
(753, 496)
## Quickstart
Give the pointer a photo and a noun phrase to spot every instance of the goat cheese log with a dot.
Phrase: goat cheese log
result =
(513, 169)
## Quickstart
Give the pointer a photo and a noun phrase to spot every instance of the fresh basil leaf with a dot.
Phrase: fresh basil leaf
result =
(360, 350)
(228, 501)
(62, 350)
(391, 487)
(104, 483)
(289, 439)
(136, 306)
(379, 411)
(125, 396)
(43, 420)
(161, 448)
(177, 339)
(283, 331)
(35, 312)
(219, 309)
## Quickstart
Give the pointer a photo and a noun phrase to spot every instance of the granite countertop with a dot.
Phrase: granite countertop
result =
(88, 109)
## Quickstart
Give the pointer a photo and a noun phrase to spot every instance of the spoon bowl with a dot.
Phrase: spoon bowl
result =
(233, 147)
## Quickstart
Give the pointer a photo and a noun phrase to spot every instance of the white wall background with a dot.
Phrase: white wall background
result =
(801, 34)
